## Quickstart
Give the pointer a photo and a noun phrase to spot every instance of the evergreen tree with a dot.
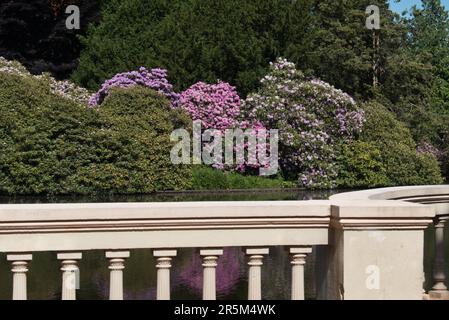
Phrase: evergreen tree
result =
(428, 38)
(230, 40)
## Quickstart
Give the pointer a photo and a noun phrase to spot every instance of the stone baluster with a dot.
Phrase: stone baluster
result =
(298, 260)
(70, 274)
(210, 257)
(255, 262)
(164, 259)
(439, 289)
(19, 263)
(116, 266)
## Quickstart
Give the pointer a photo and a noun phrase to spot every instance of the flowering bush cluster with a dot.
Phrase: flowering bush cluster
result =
(217, 106)
(64, 88)
(311, 116)
(427, 148)
(319, 126)
(155, 79)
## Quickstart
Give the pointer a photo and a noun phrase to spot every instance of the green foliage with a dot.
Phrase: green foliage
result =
(360, 165)
(132, 136)
(428, 30)
(341, 50)
(404, 166)
(52, 145)
(195, 40)
(206, 178)
(41, 137)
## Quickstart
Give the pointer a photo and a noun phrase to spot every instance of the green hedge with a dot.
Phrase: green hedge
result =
(207, 178)
(403, 165)
(51, 145)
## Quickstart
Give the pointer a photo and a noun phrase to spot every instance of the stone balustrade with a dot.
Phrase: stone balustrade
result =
(368, 244)
(435, 197)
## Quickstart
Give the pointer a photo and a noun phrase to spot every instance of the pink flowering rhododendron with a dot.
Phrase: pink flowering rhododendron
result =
(155, 79)
(311, 115)
(217, 105)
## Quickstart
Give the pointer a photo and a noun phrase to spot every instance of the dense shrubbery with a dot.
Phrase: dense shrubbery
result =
(62, 88)
(206, 178)
(51, 144)
(217, 107)
(44, 137)
(407, 70)
(359, 164)
(403, 164)
(132, 141)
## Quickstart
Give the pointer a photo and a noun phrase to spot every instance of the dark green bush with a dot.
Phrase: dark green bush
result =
(41, 137)
(404, 166)
(51, 145)
(360, 165)
(132, 144)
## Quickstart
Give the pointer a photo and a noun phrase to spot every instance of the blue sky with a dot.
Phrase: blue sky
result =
(407, 4)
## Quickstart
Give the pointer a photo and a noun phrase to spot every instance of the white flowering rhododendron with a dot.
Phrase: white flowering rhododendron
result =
(312, 117)
(63, 88)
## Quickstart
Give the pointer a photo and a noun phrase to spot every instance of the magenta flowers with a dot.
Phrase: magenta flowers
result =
(217, 106)
(155, 79)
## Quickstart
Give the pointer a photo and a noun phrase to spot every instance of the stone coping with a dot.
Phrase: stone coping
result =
(394, 193)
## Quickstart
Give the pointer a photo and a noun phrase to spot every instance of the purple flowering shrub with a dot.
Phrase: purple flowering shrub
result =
(425, 147)
(155, 79)
(217, 106)
(311, 115)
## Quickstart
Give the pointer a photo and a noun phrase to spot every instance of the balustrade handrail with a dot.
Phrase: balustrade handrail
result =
(437, 196)
(396, 193)
(56, 227)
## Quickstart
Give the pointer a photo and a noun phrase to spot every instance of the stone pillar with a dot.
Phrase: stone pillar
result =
(19, 263)
(298, 260)
(116, 266)
(255, 262)
(164, 258)
(439, 289)
(70, 274)
(376, 250)
(210, 257)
